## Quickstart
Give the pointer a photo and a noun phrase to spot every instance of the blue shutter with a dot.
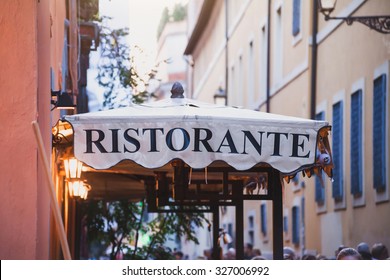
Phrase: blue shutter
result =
(379, 133)
(285, 224)
(337, 148)
(319, 188)
(295, 225)
(263, 215)
(296, 17)
(230, 232)
(356, 144)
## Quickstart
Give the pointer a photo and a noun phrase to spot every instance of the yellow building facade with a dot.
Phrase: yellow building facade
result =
(283, 57)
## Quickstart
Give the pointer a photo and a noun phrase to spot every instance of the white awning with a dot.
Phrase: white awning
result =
(153, 134)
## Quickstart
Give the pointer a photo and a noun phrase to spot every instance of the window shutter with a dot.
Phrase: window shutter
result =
(379, 133)
(337, 189)
(296, 17)
(231, 233)
(285, 224)
(295, 225)
(263, 215)
(356, 143)
(319, 188)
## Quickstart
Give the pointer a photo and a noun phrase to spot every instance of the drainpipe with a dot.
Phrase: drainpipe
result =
(226, 52)
(268, 57)
(313, 85)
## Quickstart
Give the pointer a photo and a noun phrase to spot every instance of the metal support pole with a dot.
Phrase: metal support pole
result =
(239, 207)
(277, 214)
(240, 229)
(216, 255)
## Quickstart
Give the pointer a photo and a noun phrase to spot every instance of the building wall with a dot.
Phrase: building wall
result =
(209, 56)
(172, 65)
(348, 58)
(22, 229)
(31, 51)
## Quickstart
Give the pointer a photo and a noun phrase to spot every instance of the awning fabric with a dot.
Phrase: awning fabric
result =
(199, 133)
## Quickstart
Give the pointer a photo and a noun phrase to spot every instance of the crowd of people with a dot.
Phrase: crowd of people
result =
(362, 252)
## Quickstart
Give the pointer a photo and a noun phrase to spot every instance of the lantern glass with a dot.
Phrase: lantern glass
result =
(327, 6)
(73, 168)
(78, 189)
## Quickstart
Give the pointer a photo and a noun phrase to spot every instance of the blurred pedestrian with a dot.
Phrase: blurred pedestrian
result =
(341, 247)
(248, 251)
(256, 252)
(379, 251)
(230, 254)
(178, 255)
(348, 254)
(207, 254)
(364, 251)
(320, 257)
(308, 257)
(259, 258)
(288, 253)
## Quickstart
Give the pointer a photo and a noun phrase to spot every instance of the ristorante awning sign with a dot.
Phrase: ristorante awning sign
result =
(153, 134)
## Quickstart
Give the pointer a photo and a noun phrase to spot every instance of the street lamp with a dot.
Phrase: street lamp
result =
(378, 23)
(73, 168)
(78, 189)
(62, 100)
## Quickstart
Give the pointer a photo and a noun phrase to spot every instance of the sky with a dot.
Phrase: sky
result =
(142, 18)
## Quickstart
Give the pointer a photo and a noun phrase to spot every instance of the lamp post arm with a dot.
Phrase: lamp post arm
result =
(378, 23)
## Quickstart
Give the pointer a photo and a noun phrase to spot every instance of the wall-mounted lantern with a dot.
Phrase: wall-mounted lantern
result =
(78, 189)
(62, 100)
(73, 168)
(378, 23)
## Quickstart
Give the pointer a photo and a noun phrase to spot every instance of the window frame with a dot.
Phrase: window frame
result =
(359, 86)
(340, 97)
(383, 70)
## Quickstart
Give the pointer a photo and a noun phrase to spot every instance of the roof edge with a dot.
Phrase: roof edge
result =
(200, 25)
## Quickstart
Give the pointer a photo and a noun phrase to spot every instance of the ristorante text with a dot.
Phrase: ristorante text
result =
(152, 140)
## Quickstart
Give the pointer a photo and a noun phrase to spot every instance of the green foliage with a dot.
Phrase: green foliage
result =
(116, 70)
(88, 10)
(179, 13)
(118, 225)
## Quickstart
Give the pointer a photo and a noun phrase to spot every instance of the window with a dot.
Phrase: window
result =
(285, 224)
(230, 232)
(295, 225)
(337, 147)
(251, 237)
(251, 222)
(251, 226)
(319, 182)
(263, 217)
(356, 144)
(379, 133)
(296, 23)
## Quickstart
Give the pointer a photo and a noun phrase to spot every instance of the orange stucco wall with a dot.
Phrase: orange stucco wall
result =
(24, 206)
